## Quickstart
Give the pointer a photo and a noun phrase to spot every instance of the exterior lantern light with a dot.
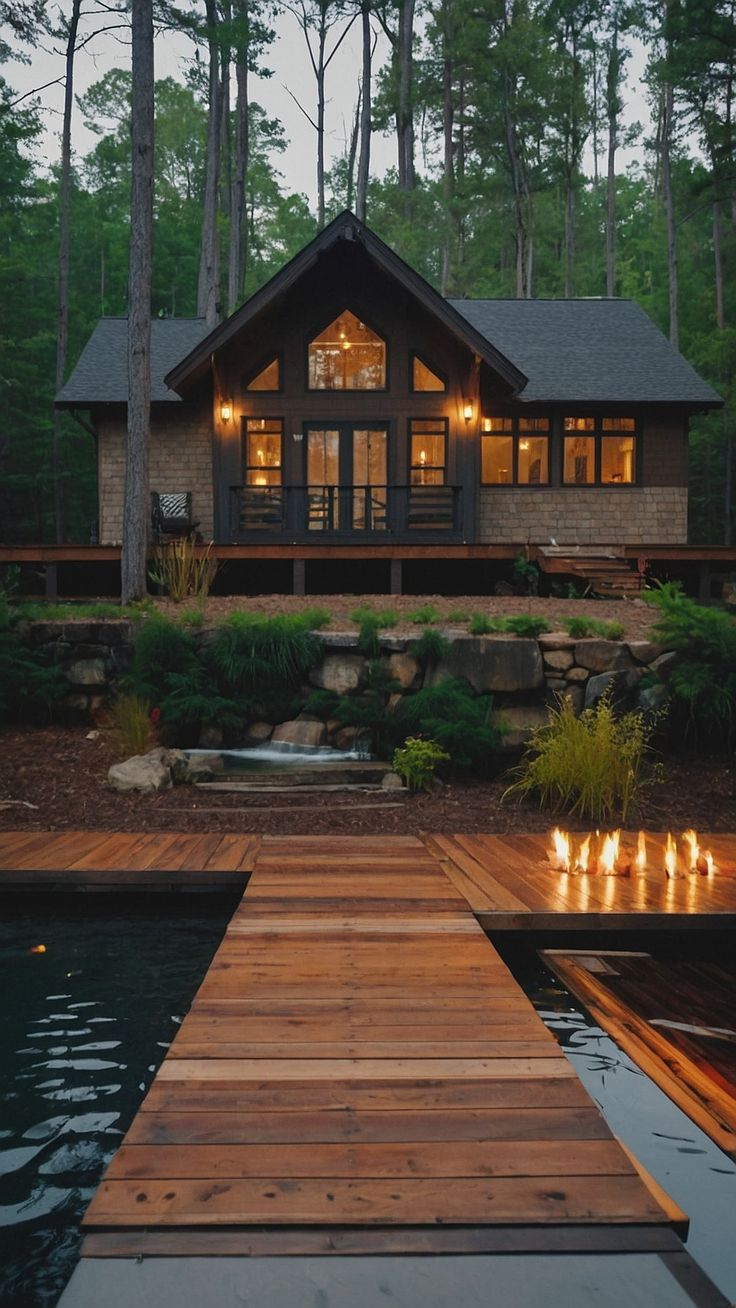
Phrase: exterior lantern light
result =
(226, 410)
(468, 410)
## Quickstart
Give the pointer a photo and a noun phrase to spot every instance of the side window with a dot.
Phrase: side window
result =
(424, 378)
(428, 451)
(267, 378)
(263, 443)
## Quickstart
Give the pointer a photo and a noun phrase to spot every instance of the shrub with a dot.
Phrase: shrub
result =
(130, 724)
(314, 618)
(525, 574)
(703, 679)
(525, 624)
(431, 647)
(452, 716)
(417, 760)
(182, 571)
(421, 617)
(581, 628)
(481, 625)
(192, 618)
(29, 687)
(458, 615)
(368, 640)
(594, 765)
(252, 654)
(160, 648)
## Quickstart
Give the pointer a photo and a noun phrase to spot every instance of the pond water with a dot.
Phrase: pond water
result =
(92, 995)
(685, 1161)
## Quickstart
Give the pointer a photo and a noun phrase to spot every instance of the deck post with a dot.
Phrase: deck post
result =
(704, 582)
(299, 577)
(396, 577)
(51, 582)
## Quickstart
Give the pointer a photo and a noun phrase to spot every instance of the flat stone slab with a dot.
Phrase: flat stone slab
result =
(493, 663)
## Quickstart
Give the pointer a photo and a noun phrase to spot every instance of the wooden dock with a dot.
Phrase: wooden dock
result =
(105, 860)
(359, 1073)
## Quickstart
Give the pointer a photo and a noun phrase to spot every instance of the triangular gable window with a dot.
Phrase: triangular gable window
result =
(424, 378)
(268, 379)
(347, 356)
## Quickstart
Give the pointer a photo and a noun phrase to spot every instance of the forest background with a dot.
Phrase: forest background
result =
(509, 128)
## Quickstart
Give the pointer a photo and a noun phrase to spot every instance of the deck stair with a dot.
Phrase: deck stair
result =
(603, 573)
(345, 775)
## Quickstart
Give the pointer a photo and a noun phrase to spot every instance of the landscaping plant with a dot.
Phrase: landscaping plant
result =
(454, 717)
(431, 647)
(525, 624)
(421, 617)
(130, 724)
(581, 628)
(417, 761)
(595, 765)
(182, 571)
(702, 680)
(482, 625)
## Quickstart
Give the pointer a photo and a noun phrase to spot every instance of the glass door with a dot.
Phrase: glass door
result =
(347, 475)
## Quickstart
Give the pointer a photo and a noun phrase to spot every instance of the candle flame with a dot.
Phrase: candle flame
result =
(670, 856)
(38, 949)
(641, 853)
(710, 862)
(583, 855)
(609, 853)
(561, 853)
(691, 840)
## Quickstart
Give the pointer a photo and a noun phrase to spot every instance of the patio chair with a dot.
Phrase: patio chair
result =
(171, 514)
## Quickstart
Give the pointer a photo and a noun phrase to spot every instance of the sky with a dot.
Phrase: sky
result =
(289, 60)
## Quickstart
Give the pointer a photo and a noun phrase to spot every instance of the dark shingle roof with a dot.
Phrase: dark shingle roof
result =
(588, 351)
(101, 374)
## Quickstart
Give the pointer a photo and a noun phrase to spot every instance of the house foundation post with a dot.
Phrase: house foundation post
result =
(51, 582)
(396, 577)
(299, 577)
(704, 582)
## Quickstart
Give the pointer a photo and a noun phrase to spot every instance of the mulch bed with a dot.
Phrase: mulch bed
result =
(63, 774)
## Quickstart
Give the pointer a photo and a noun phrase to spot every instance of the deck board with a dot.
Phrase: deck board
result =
(358, 1058)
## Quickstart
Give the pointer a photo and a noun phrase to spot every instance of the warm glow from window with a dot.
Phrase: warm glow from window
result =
(497, 460)
(533, 461)
(579, 424)
(619, 424)
(518, 454)
(347, 356)
(268, 379)
(617, 460)
(428, 452)
(497, 424)
(423, 378)
(579, 458)
(263, 440)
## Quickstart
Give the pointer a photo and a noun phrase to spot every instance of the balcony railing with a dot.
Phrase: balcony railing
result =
(312, 511)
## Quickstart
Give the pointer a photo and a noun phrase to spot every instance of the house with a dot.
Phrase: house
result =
(348, 402)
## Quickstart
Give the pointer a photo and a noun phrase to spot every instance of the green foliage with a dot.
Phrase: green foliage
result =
(431, 647)
(482, 625)
(525, 624)
(458, 615)
(29, 686)
(29, 611)
(368, 639)
(594, 766)
(456, 719)
(314, 618)
(253, 654)
(525, 572)
(192, 617)
(161, 649)
(129, 722)
(703, 678)
(383, 618)
(424, 615)
(417, 760)
(581, 628)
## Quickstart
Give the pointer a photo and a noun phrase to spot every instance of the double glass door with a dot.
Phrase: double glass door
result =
(346, 477)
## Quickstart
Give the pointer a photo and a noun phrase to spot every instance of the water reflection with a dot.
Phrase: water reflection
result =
(86, 1025)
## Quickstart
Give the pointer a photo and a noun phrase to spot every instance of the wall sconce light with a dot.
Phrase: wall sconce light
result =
(226, 410)
(297, 435)
(468, 410)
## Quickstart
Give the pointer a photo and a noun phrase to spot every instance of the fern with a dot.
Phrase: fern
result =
(431, 647)
(703, 679)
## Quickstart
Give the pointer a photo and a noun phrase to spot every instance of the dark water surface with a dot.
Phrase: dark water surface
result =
(685, 1161)
(85, 1024)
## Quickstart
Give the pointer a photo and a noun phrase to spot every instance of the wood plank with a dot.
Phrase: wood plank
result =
(243, 1070)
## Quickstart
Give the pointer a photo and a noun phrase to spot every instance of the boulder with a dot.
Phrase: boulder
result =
(559, 659)
(256, 733)
(405, 669)
(521, 720)
(177, 763)
(653, 698)
(625, 683)
(392, 781)
(556, 683)
(301, 731)
(644, 651)
(356, 739)
(492, 663)
(577, 674)
(144, 772)
(601, 655)
(556, 640)
(203, 767)
(210, 736)
(342, 673)
(575, 696)
(663, 664)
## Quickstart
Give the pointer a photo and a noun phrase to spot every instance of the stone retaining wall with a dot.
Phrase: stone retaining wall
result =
(523, 675)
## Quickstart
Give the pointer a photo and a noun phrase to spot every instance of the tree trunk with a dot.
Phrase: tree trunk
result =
(569, 237)
(448, 176)
(365, 115)
(209, 269)
(612, 82)
(669, 208)
(237, 261)
(405, 122)
(320, 75)
(62, 319)
(135, 509)
(352, 152)
(718, 262)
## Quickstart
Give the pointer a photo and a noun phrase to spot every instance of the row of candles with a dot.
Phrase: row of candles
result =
(611, 858)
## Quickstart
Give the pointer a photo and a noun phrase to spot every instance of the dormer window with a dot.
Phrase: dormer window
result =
(347, 356)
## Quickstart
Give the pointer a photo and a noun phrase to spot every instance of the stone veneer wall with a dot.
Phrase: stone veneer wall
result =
(523, 675)
(180, 460)
(596, 515)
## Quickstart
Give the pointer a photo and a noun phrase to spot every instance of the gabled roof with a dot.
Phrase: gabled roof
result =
(101, 374)
(346, 227)
(588, 351)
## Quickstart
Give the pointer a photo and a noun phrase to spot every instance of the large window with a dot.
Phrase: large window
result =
(515, 451)
(599, 451)
(428, 451)
(263, 441)
(347, 356)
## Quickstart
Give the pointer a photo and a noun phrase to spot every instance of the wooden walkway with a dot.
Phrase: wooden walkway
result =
(509, 884)
(360, 1073)
(104, 860)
